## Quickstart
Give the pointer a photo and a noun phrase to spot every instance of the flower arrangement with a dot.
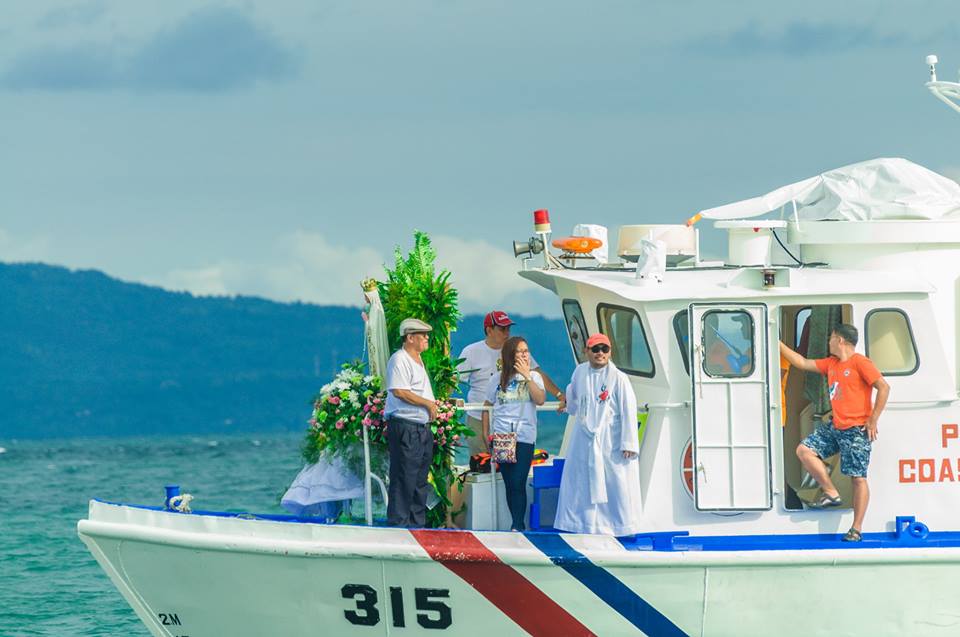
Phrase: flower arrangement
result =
(351, 401)
(447, 429)
(354, 400)
(448, 434)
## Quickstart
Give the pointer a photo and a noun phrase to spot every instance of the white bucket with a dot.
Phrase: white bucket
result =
(750, 243)
(747, 246)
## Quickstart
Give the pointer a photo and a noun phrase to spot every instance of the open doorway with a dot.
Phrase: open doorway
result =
(805, 399)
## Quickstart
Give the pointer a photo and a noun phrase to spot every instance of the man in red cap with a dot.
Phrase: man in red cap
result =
(600, 486)
(482, 362)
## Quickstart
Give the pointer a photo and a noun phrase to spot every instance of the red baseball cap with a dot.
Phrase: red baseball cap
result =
(598, 339)
(498, 318)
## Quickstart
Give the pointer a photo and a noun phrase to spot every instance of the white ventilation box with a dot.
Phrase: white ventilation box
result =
(680, 241)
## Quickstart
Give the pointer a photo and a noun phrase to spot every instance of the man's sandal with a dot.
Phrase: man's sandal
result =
(827, 502)
(852, 535)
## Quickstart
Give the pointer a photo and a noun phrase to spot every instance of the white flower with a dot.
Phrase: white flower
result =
(353, 397)
(326, 389)
(368, 379)
(341, 386)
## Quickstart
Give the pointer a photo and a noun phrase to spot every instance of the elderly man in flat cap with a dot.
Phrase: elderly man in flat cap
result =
(410, 408)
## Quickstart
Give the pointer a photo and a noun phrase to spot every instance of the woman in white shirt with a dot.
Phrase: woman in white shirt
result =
(514, 399)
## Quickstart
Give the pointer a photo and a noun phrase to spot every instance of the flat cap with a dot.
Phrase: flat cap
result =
(411, 325)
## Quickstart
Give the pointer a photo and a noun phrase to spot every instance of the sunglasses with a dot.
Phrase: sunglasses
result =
(596, 349)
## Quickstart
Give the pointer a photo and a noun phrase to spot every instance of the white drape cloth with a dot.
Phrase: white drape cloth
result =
(600, 489)
(375, 331)
(328, 480)
(885, 188)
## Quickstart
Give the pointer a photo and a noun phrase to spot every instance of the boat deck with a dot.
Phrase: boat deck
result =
(910, 533)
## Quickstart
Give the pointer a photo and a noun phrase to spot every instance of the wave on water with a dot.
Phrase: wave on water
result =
(49, 582)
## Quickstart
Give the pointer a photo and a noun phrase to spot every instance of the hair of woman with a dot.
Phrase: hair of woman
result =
(509, 356)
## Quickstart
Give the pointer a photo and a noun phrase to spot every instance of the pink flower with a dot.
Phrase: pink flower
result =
(339, 424)
(366, 408)
(313, 422)
(366, 422)
(353, 418)
(456, 436)
(334, 400)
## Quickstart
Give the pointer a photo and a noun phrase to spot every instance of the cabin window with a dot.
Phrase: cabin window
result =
(630, 352)
(681, 328)
(728, 343)
(890, 343)
(800, 322)
(576, 328)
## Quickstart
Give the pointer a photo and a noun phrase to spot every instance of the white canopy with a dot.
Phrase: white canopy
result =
(886, 188)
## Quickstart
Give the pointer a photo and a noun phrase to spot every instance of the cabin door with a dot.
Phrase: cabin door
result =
(731, 416)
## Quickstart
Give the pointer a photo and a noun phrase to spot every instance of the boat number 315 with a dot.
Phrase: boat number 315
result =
(432, 612)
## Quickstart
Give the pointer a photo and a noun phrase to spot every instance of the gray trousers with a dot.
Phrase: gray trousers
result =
(411, 449)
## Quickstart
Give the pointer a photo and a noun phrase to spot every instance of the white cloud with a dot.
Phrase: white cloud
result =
(22, 249)
(207, 281)
(486, 278)
(307, 267)
(304, 266)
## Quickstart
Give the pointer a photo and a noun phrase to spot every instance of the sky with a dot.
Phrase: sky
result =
(284, 149)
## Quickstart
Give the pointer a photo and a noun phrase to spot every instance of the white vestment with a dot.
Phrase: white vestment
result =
(600, 489)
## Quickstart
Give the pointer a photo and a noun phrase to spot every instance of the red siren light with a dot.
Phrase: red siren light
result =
(541, 220)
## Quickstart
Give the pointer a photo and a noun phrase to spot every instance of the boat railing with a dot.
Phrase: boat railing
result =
(369, 477)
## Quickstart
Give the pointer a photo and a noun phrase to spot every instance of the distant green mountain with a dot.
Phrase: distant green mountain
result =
(87, 355)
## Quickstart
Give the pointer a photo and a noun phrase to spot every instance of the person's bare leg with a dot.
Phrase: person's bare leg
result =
(861, 498)
(816, 468)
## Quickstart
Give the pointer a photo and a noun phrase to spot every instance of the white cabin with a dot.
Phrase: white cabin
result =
(699, 341)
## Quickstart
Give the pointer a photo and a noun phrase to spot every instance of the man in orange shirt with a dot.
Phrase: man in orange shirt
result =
(851, 378)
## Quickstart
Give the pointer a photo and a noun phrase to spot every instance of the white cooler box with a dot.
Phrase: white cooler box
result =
(479, 499)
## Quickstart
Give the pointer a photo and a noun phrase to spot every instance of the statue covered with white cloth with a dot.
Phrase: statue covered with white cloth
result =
(600, 486)
(324, 488)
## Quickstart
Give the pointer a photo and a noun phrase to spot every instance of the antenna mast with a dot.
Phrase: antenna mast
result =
(946, 92)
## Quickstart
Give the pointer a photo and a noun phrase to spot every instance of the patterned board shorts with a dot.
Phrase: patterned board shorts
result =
(853, 444)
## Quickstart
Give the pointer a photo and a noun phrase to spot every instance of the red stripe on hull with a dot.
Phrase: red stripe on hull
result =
(505, 588)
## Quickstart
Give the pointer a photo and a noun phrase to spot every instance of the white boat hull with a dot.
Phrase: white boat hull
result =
(210, 576)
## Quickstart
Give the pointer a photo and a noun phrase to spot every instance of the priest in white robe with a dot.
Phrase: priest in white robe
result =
(600, 486)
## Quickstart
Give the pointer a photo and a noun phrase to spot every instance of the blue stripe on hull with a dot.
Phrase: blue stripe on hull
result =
(604, 585)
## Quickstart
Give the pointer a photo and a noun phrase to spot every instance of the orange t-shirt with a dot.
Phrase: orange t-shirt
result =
(851, 388)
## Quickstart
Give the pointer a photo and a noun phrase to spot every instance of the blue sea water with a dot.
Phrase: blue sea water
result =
(49, 582)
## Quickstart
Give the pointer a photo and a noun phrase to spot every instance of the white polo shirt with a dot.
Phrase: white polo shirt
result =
(403, 372)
